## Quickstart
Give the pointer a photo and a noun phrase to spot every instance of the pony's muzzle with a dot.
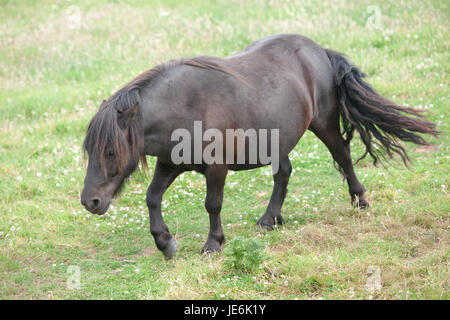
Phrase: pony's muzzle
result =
(93, 205)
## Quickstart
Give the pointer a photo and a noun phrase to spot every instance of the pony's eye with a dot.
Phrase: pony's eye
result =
(111, 153)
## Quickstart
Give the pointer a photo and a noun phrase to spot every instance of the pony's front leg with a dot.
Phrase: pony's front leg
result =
(163, 177)
(215, 182)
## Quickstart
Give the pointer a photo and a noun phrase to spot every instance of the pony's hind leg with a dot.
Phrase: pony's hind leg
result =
(272, 216)
(328, 132)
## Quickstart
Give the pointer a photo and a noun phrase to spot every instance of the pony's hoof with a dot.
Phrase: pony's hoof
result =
(363, 205)
(171, 249)
(213, 246)
(265, 226)
(360, 204)
(269, 226)
(208, 251)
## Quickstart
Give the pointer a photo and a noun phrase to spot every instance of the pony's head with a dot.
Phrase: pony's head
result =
(115, 137)
(114, 143)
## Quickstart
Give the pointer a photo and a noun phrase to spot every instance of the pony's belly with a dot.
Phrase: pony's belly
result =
(242, 167)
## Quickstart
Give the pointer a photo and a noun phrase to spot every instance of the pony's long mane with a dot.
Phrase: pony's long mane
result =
(104, 131)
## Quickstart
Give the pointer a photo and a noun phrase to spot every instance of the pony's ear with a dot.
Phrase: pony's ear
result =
(124, 118)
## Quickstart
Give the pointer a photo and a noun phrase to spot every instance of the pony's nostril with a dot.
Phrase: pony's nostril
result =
(94, 203)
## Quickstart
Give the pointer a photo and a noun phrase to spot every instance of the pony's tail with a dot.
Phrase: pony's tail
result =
(380, 122)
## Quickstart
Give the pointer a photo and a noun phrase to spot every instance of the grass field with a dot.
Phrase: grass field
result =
(59, 59)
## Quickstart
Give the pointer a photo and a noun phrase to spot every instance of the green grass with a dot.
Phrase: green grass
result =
(53, 78)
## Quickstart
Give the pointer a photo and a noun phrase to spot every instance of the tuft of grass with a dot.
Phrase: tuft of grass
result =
(244, 256)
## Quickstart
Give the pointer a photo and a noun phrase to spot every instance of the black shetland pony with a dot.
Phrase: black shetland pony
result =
(285, 82)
